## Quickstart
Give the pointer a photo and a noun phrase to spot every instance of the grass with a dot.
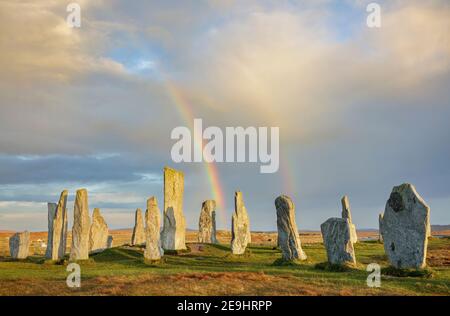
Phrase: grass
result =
(212, 270)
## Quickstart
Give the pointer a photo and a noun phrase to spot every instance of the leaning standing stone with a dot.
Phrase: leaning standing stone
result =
(404, 228)
(174, 226)
(19, 245)
(153, 250)
(98, 236)
(240, 226)
(138, 236)
(346, 213)
(288, 238)
(337, 241)
(57, 247)
(207, 223)
(81, 227)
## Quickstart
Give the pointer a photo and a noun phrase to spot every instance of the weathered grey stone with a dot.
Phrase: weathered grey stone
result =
(138, 236)
(380, 219)
(240, 226)
(81, 227)
(346, 213)
(288, 238)
(98, 235)
(174, 227)
(19, 245)
(153, 250)
(404, 228)
(110, 242)
(56, 246)
(51, 207)
(337, 241)
(207, 223)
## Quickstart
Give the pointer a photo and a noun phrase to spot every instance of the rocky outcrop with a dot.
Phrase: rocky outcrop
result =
(337, 241)
(207, 223)
(288, 238)
(346, 213)
(98, 235)
(138, 236)
(153, 250)
(240, 226)
(405, 228)
(19, 245)
(81, 227)
(174, 227)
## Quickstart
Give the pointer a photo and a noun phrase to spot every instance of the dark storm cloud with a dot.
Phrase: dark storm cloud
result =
(83, 169)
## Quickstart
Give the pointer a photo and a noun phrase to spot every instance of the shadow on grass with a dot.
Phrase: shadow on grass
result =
(404, 273)
(326, 266)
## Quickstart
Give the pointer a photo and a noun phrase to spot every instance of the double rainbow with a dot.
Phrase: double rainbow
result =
(185, 110)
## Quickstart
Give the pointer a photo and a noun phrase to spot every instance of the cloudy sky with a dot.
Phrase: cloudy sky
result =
(360, 109)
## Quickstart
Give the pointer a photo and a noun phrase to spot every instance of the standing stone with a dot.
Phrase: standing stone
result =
(240, 226)
(57, 230)
(98, 236)
(110, 242)
(138, 236)
(19, 245)
(174, 228)
(404, 228)
(51, 207)
(207, 223)
(336, 233)
(81, 227)
(288, 238)
(153, 250)
(380, 219)
(346, 213)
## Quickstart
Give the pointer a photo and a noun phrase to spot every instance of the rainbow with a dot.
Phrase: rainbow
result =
(185, 110)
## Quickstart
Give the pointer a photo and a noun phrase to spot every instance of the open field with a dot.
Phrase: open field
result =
(123, 237)
(212, 270)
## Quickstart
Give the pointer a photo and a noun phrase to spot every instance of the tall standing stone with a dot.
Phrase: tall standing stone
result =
(240, 226)
(174, 227)
(404, 228)
(288, 238)
(138, 236)
(19, 245)
(51, 208)
(337, 241)
(207, 223)
(98, 235)
(56, 248)
(346, 213)
(153, 250)
(81, 227)
(380, 219)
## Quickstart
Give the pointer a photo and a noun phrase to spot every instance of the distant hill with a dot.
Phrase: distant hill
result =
(438, 228)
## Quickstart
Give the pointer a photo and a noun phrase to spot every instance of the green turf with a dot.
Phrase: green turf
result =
(128, 261)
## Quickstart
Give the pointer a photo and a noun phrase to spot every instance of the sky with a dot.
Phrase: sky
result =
(360, 110)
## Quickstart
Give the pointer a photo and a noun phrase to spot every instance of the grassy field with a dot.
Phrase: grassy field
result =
(212, 270)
